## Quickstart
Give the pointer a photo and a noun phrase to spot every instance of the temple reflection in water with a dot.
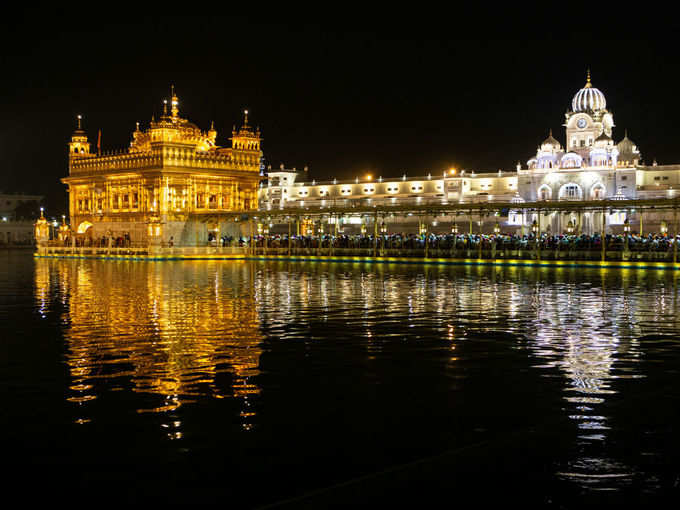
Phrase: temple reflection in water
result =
(173, 334)
(180, 332)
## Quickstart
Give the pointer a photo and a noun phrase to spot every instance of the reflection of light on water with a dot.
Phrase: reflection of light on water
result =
(169, 329)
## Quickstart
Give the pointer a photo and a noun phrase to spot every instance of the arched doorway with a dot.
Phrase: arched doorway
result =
(544, 192)
(597, 191)
(84, 233)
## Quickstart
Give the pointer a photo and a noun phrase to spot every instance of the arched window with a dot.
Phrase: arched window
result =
(570, 191)
(597, 192)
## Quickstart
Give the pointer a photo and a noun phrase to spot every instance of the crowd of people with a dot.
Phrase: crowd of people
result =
(652, 242)
(120, 241)
(546, 241)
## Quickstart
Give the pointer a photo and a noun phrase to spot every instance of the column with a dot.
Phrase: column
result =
(318, 248)
(479, 245)
(251, 243)
(641, 222)
(603, 241)
(375, 235)
(289, 241)
(538, 236)
(675, 234)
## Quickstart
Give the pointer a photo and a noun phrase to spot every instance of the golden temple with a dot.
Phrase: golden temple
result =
(161, 189)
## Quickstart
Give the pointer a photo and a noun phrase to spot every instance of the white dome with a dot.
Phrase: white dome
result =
(588, 98)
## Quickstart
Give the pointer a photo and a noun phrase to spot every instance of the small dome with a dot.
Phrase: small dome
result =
(588, 98)
(604, 137)
(626, 142)
(551, 141)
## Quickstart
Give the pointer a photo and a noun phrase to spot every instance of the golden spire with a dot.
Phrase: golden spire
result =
(245, 118)
(174, 102)
(588, 84)
(165, 107)
(79, 119)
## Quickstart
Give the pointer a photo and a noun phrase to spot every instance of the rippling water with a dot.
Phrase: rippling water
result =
(253, 383)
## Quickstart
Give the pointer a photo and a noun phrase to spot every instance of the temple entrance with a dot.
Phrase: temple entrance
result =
(84, 234)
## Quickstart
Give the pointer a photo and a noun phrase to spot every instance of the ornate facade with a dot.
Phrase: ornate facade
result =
(589, 166)
(166, 184)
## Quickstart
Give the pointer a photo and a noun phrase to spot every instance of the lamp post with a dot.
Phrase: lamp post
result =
(626, 232)
(570, 227)
(497, 228)
(664, 227)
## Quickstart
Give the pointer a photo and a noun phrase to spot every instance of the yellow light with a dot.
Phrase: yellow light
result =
(452, 171)
(369, 177)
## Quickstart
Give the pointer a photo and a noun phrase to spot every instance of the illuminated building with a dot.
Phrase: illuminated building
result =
(165, 185)
(14, 228)
(592, 167)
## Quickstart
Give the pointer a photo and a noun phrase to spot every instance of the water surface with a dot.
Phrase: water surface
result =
(311, 384)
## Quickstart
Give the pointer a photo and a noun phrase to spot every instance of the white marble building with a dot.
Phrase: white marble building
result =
(589, 166)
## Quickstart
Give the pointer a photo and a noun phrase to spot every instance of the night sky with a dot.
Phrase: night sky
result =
(347, 96)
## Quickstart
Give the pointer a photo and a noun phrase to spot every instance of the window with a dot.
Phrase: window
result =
(665, 177)
(583, 143)
(624, 178)
(571, 192)
(657, 178)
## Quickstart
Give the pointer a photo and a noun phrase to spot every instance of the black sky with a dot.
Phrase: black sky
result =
(412, 94)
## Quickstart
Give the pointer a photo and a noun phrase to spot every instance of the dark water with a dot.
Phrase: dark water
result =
(317, 385)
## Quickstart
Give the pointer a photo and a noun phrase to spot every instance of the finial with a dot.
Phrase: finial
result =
(174, 102)
(625, 133)
(79, 119)
(165, 107)
(212, 125)
(137, 126)
(588, 84)
(245, 118)
(551, 132)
